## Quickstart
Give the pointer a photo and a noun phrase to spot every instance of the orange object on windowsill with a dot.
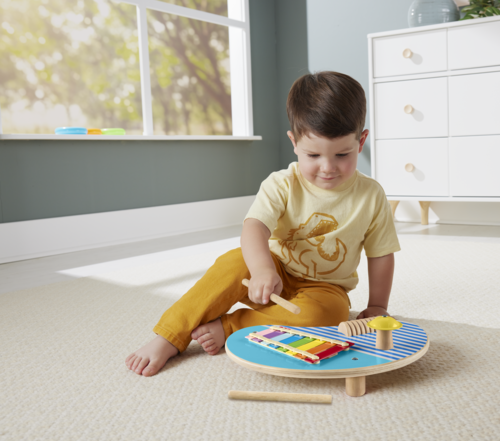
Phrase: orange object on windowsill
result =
(94, 132)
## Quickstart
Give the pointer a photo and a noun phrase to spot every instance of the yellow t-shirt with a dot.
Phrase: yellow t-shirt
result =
(319, 234)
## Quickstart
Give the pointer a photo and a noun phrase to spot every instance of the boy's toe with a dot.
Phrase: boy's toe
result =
(199, 331)
(130, 360)
(135, 364)
(205, 338)
(144, 362)
(207, 343)
(152, 369)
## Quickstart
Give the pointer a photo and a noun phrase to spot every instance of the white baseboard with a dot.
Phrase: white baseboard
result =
(47, 237)
(460, 213)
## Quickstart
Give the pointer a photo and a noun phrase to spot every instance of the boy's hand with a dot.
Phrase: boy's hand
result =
(262, 285)
(372, 311)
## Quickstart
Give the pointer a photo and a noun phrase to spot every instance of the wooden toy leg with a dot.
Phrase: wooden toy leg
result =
(394, 205)
(355, 386)
(424, 212)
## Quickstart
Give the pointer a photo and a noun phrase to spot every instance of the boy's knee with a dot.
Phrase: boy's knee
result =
(232, 259)
(325, 314)
(334, 319)
(235, 254)
(338, 314)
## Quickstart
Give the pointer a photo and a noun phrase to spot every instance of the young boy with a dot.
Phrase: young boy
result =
(302, 238)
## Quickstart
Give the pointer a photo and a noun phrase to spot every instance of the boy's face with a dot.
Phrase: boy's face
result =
(328, 163)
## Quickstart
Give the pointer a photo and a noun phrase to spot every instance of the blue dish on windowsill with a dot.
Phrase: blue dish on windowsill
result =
(71, 131)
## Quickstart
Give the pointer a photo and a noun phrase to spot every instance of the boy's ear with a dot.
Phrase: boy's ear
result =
(362, 139)
(290, 135)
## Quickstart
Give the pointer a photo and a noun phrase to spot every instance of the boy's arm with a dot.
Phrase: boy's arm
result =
(380, 274)
(255, 247)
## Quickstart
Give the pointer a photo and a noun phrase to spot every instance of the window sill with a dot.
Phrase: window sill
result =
(129, 138)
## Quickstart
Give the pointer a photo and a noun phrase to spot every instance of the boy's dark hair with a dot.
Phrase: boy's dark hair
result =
(327, 104)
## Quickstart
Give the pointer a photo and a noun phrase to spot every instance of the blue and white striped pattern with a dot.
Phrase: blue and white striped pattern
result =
(407, 340)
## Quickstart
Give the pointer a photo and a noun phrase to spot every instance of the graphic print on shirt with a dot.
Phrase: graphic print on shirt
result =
(313, 232)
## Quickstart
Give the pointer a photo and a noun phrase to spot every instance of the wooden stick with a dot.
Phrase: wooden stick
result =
(278, 396)
(306, 334)
(283, 345)
(278, 300)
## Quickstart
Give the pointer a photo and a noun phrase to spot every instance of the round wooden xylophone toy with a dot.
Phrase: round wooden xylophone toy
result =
(350, 351)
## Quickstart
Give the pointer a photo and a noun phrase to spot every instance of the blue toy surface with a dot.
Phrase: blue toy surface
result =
(71, 131)
(408, 340)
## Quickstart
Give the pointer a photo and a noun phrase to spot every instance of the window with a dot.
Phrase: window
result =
(176, 67)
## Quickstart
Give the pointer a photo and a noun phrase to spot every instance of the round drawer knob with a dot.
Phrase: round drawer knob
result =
(408, 109)
(409, 167)
(407, 53)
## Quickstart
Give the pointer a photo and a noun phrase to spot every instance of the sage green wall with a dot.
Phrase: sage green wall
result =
(45, 179)
(292, 37)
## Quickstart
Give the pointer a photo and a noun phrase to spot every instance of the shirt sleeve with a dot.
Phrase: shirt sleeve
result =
(270, 202)
(381, 238)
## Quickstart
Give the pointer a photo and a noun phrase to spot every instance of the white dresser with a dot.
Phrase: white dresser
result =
(435, 112)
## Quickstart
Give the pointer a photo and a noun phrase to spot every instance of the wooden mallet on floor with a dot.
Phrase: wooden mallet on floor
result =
(278, 300)
(278, 396)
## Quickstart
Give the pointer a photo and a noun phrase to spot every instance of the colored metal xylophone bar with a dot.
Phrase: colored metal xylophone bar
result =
(302, 345)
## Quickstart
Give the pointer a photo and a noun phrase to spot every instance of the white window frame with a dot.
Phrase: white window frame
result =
(240, 68)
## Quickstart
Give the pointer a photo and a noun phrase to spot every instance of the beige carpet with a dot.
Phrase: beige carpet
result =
(63, 348)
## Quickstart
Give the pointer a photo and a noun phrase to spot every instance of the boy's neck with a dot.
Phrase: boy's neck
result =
(344, 186)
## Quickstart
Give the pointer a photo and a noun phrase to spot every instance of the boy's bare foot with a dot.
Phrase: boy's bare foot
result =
(210, 336)
(152, 357)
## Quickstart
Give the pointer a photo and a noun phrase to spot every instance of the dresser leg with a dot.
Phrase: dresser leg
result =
(424, 212)
(394, 205)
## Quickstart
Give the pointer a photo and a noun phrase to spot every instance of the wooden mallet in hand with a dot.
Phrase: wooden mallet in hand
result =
(278, 300)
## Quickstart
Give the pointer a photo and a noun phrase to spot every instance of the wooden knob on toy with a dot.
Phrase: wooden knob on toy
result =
(407, 53)
(408, 109)
(409, 167)
(278, 300)
(277, 396)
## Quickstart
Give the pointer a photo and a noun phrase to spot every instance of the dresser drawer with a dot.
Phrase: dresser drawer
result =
(474, 46)
(474, 166)
(427, 53)
(412, 167)
(428, 111)
(475, 104)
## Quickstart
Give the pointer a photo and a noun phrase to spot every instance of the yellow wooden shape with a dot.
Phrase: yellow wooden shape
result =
(384, 323)
(310, 345)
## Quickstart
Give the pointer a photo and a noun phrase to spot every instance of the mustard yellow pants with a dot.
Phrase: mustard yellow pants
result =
(321, 304)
